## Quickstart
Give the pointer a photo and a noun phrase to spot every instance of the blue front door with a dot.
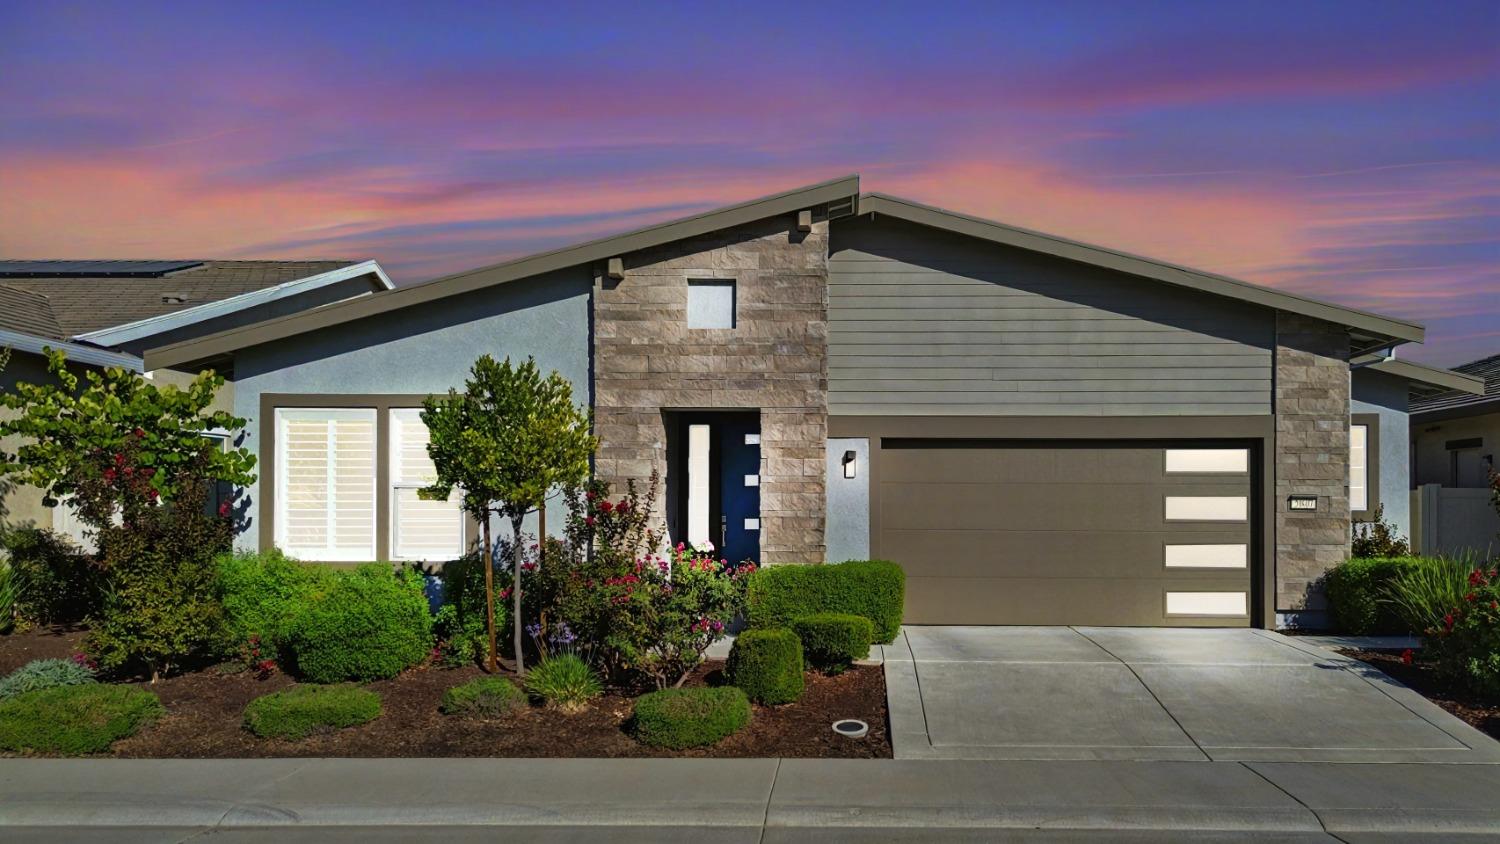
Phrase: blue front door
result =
(737, 442)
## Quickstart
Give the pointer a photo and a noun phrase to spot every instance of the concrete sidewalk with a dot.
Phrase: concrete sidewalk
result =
(748, 800)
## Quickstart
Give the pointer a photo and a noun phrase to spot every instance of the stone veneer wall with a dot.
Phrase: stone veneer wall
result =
(775, 359)
(1312, 457)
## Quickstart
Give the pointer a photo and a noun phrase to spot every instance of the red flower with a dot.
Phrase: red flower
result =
(139, 432)
(624, 506)
(223, 509)
(1407, 656)
(109, 475)
(606, 507)
(505, 593)
(589, 520)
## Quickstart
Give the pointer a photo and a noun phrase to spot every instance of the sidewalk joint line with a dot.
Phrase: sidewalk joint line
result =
(1310, 810)
(1150, 691)
(765, 817)
(916, 674)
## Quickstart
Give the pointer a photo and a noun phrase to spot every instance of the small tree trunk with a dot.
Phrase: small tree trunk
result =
(489, 592)
(515, 590)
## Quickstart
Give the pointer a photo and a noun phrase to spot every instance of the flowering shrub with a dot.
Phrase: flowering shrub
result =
(1466, 643)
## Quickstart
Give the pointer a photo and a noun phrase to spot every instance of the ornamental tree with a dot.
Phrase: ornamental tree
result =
(505, 442)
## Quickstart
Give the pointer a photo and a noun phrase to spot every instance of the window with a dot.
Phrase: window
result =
(1205, 460)
(710, 303)
(1359, 468)
(420, 529)
(325, 484)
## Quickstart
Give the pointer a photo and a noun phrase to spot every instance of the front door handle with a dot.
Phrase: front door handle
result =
(723, 531)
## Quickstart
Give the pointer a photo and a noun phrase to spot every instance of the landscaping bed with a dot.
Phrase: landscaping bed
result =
(205, 717)
(1481, 713)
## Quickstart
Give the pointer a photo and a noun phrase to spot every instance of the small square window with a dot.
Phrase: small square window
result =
(710, 303)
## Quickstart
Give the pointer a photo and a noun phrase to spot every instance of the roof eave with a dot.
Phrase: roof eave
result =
(1434, 378)
(75, 352)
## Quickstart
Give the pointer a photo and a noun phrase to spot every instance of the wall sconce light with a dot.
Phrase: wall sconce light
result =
(849, 464)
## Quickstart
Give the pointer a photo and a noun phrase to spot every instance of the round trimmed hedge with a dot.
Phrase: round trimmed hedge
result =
(72, 720)
(831, 641)
(483, 697)
(767, 665)
(370, 625)
(676, 719)
(300, 711)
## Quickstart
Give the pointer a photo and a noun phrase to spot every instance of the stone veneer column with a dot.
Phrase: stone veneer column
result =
(1312, 457)
(775, 360)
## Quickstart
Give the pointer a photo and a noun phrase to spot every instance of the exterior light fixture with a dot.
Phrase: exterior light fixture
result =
(849, 462)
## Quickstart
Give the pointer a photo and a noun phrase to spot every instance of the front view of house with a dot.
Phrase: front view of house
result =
(1039, 431)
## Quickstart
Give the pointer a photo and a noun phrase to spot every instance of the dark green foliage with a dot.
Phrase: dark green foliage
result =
(831, 641)
(8, 589)
(564, 681)
(483, 697)
(370, 625)
(300, 711)
(681, 718)
(767, 665)
(263, 593)
(1378, 538)
(1465, 642)
(45, 674)
(71, 720)
(460, 622)
(875, 589)
(1359, 596)
(54, 582)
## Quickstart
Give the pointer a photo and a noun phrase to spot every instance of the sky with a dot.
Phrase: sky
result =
(1344, 150)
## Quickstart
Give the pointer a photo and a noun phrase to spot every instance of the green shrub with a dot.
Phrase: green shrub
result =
(9, 586)
(680, 718)
(300, 711)
(45, 674)
(74, 719)
(831, 641)
(874, 589)
(564, 682)
(263, 593)
(1422, 594)
(1359, 597)
(370, 625)
(53, 581)
(1377, 538)
(1465, 643)
(460, 622)
(767, 665)
(483, 697)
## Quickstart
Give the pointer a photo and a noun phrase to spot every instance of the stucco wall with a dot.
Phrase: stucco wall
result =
(848, 501)
(1386, 396)
(1433, 464)
(424, 349)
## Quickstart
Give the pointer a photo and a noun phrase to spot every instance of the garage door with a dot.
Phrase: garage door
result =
(1070, 532)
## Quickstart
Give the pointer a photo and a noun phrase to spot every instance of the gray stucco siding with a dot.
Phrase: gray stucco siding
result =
(424, 349)
(1386, 396)
(929, 322)
(848, 531)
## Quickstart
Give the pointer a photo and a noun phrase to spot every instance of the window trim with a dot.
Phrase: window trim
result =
(382, 404)
(1371, 423)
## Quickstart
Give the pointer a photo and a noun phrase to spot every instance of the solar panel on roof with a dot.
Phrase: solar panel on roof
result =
(92, 269)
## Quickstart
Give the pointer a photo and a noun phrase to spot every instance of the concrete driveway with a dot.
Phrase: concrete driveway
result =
(1155, 694)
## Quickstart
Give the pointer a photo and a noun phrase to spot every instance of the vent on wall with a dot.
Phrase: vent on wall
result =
(841, 208)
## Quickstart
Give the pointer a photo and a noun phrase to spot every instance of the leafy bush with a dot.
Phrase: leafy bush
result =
(263, 593)
(8, 589)
(1359, 597)
(564, 682)
(74, 719)
(45, 674)
(767, 665)
(1378, 538)
(831, 641)
(300, 711)
(1465, 643)
(460, 622)
(483, 697)
(1422, 593)
(680, 718)
(875, 589)
(370, 625)
(53, 581)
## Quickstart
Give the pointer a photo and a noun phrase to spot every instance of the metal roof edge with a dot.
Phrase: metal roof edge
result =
(75, 352)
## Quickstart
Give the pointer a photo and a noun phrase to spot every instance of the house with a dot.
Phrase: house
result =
(1455, 436)
(1040, 431)
(105, 313)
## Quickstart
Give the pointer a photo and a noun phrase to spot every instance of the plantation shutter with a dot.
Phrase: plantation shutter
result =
(420, 529)
(325, 484)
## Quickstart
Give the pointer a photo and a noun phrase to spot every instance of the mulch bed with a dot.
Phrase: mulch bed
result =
(1480, 713)
(205, 708)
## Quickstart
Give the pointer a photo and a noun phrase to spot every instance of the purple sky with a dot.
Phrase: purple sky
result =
(1346, 150)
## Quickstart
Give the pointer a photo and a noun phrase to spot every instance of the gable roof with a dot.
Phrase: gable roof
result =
(1456, 403)
(127, 291)
(336, 313)
(1370, 331)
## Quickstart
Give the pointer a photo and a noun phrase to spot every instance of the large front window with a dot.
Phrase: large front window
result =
(325, 483)
(420, 529)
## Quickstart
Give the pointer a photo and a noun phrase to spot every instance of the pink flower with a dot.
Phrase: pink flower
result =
(1407, 656)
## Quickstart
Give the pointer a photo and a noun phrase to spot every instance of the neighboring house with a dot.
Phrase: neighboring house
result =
(1038, 430)
(1455, 439)
(104, 313)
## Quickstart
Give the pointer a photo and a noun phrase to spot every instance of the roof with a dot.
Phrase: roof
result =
(1454, 404)
(75, 352)
(83, 304)
(1368, 331)
(1424, 380)
(27, 312)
